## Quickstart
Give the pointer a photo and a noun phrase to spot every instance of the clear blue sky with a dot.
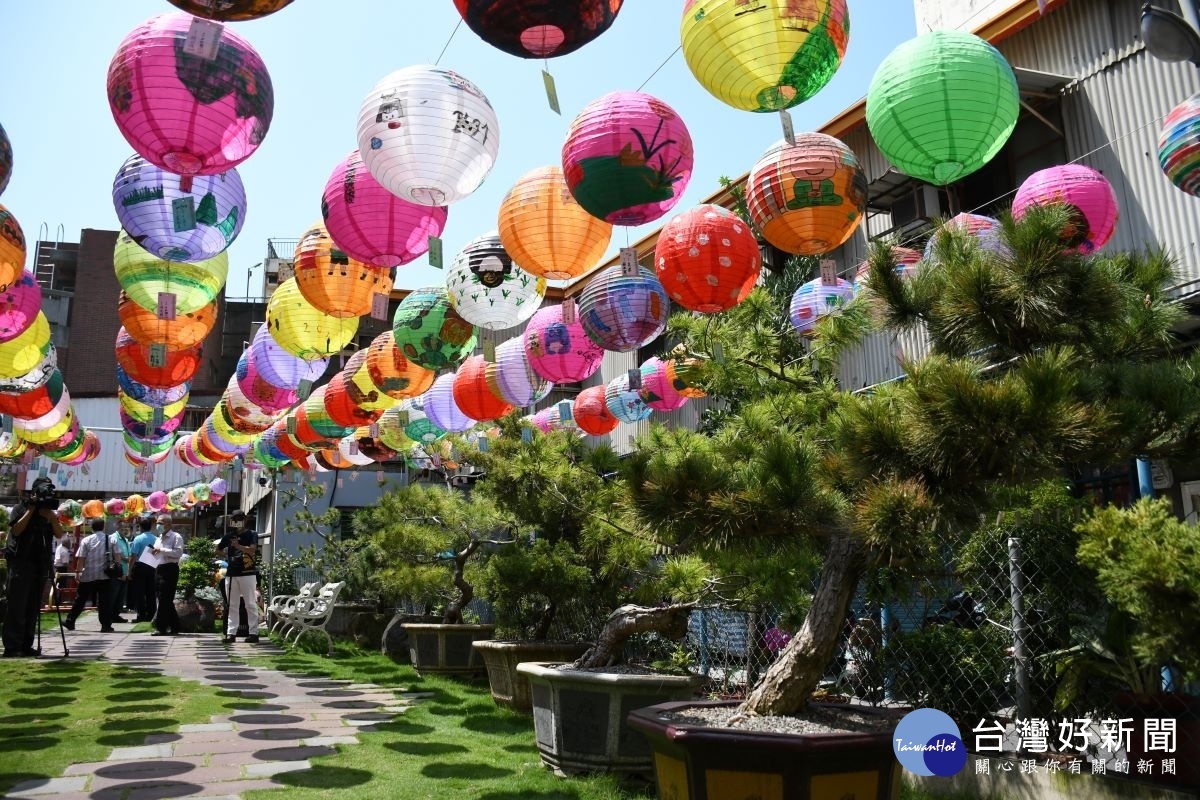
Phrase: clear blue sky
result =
(324, 56)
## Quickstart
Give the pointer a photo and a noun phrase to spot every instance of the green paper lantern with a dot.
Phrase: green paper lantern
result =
(942, 105)
(429, 332)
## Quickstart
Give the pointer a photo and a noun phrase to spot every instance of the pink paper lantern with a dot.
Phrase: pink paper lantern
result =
(546, 420)
(1088, 196)
(266, 396)
(371, 224)
(627, 158)
(439, 405)
(560, 352)
(278, 367)
(19, 306)
(191, 113)
(657, 391)
(156, 501)
(906, 260)
(512, 379)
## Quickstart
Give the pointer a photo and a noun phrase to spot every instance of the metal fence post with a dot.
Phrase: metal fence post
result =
(1020, 631)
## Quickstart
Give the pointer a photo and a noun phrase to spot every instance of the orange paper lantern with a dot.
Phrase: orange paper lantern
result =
(12, 248)
(332, 281)
(395, 375)
(343, 404)
(186, 330)
(472, 394)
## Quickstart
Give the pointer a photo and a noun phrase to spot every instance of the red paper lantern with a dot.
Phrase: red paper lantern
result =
(343, 403)
(471, 392)
(592, 414)
(178, 366)
(707, 259)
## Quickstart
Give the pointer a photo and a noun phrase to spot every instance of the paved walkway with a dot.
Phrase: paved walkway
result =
(301, 717)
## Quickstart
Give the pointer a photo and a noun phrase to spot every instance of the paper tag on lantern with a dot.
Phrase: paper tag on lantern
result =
(551, 92)
(54, 468)
(373, 430)
(402, 417)
(304, 389)
(85, 469)
(828, 272)
(146, 449)
(489, 351)
(435, 252)
(203, 38)
(482, 443)
(353, 448)
(183, 213)
(158, 355)
(718, 352)
(526, 435)
(789, 130)
(291, 425)
(629, 262)
(158, 416)
(379, 477)
(568, 311)
(6, 424)
(635, 379)
(166, 305)
(341, 483)
(379, 306)
(564, 412)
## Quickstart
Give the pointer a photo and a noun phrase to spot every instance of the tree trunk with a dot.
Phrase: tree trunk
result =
(466, 592)
(791, 680)
(544, 622)
(670, 621)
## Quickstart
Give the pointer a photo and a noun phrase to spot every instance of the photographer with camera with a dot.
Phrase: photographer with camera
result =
(28, 552)
(240, 545)
(98, 566)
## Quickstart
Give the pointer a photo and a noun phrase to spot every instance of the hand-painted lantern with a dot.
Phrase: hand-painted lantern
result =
(334, 283)
(546, 231)
(362, 389)
(266, 396)
(429, 332)
(707, 259)
(178, 366)
(303, 330)
(428, 135)
(511, 378)
(558, 351)
(392, 373)
(419, 428)
(440, 406)
(768, 57)
(93, 509)
(26, 351)
(343, 403)
(623, 312)
(658, 392)
(186, 330)
(906, 260)
(1087, 195)
(144, 276)
(114, 507)
(34, 403)
(940, 106)
(279, 367)
(178, 218)
(625, 403)
(816, 299)
(627, 158)
(984, 230)
(488, 290)
(6, 159)
(472, 394)
(391, 427)
(186, 109)
(20, 303)
(38, 375)
(230, 10)
(217, 488)
(536, 28)
(591, 412)
(807, 198)
(12, 248)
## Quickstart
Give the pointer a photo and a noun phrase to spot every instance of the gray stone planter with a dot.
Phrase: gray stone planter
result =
(343, 615)
(395, 638)
(579, 717)
(446, 649)
(509, 688)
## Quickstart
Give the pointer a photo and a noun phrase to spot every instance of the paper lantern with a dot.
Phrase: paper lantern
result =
(808, 198)
(34, 403)
(419, 428)
(291, 446)
(767, 58)
(536, 28)
(626, 404)
(815, 299)
(488, 290)
(178, 366)
(319, 419)
(144, 277)
(627, 158)
(26, 351)
(371, 224)
(1088, 196)
(334, 283)
(591, 412)
(265, 454)
(70, 513)
(134, 504)
(12, 248)
(90, 451)
(472, 394)
(44, 436)
(940, 106)
(428, 135)
(223, 428)
(392, 373)
(147, 328)
(216, 445)
(41, 372)
(178, 218)
(182, 451)
(244, 416)
(546, 231)
(156, 501)
(332, 460)
(658, 392)
(279, 367)
(429, 332)
(349, 449)
(93, 509)
(542, 420)
(369, 397)
(342, 403)
(267, 396)
(623, 312)
(391, 426)
(146, 429)
(230, 10)
(217, 488)
(906, 260)
(1178, 146)
(707, 259)
(984, 230)
(66, 439)
(177, 497)
(48, 420)
(6, 160)
(559, 352)
(185, 112)
(200, 492)
(303, 330)
(145, 395)
(143, 412)
(442, 409)
(20, 303)
(114, 507)
(374, 451)
(511, 379)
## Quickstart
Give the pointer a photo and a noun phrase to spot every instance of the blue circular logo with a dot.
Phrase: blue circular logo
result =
(927, 742)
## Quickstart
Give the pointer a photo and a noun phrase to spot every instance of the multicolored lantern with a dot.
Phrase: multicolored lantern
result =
(627, 158)
(392, 373)
(391, 427)
(179, 218)
(34, 403)
(940, 106)
(1178, 146)
(472, 394)
(429, 332)
(362, 390)
(12, 248)
(176, 367)
(906, 260)
(774, 58)
(35, 377)
(420, 428)
(266, 396)
(623, 312)
(134, 504)
(343, 404)
(807, 198)
(186, 110)
(20, 303)
(185, 330)
(560, 352)
(591, 412)
(139, 392)
(304, 330)
(658, 392)
(278, 367)
(6, 160)
(511, 378)
(334, 283)
(371, 224)
(817, 299)
(488, 290)
(230, 10)
(144, 277)
(535, 28)
(984, 230)
(707, 259)
(428, 135)
(1087, 195)
(546, 231)
(440, 406)
(26, 351)
(625, 403)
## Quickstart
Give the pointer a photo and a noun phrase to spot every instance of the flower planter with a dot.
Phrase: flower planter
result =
(509, 688)
(437, 649)
(196, 615)
(579, 716)
(395, 638)
(696, 762)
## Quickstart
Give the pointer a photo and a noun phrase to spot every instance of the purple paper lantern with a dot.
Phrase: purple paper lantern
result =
(178, 218)
(657, 388)
(185, 109)
(512, 379)
(815, 299)
(623, 312)
(19, 306)
(372, 225)
(627, 158)
(984, 230)
(624, 403)
(439, 405)
(1086, 193)
(559, 352)
(280, 368)
(266, 396)
(217, 488)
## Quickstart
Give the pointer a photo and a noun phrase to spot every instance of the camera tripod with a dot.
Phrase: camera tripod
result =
(57, 610)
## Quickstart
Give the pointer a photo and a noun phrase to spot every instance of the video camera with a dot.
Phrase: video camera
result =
(42, 495)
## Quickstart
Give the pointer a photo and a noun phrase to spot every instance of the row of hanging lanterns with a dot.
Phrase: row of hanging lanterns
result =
(72, 513)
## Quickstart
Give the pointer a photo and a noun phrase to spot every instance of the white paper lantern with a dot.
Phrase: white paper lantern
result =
(488, 290)
(428, 135)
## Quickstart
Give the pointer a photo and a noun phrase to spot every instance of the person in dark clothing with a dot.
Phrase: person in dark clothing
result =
(142, 593)
(169, 549)
(29, 556)
(95, 553)
(240, 545)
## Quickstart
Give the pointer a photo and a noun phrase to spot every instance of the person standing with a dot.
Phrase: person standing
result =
(141, 587)
(120, 584)
(169, 548)
(240, 545)
(62, 565)
(27, 550)
(95, 553)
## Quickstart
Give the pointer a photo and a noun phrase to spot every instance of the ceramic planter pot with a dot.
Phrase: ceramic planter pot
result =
(510, 688)
(437, 649)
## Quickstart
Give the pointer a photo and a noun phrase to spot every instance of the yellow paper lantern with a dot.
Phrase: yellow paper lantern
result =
(18, 356)
(362, 388)
(145, 413)
(332, 281)
(546, 231)
(304, 330)
(144, 276)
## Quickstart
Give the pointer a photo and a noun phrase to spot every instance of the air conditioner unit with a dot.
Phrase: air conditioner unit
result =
(922, 204)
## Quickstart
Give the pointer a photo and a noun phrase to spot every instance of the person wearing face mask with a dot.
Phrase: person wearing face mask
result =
(240, 545)
(169, 548)
(141, 586)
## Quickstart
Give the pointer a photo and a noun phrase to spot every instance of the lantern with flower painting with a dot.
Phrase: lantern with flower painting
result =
(392, 373)
(707, 259)
(624, 401)
(546, 231)
(334, 283)
(488, 290)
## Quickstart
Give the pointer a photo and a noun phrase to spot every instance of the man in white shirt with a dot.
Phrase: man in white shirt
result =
(95, 553)
(169, 548)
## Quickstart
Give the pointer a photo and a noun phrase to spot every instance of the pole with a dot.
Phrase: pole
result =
(1145, 478)
(274, 536)
(1016, 580)
(1191, 13)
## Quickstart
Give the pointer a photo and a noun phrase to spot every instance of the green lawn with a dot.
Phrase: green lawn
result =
(456, 744)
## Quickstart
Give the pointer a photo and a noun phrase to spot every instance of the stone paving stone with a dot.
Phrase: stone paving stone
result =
(205, 727)
(320, 741)
(145, 751)
(186, 749)
(266, 769)
(45, 786)
(235, 788)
